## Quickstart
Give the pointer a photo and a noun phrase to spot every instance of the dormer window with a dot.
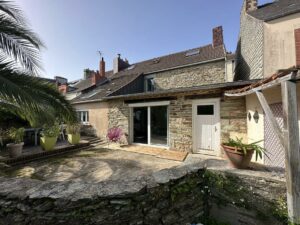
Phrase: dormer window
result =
(149, 83)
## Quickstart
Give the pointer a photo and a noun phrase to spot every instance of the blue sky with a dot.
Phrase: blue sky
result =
(74, 30)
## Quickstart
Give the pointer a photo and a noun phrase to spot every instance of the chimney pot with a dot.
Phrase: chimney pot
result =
(251, 5)
(119, 64)
(218, 39)
(63, 88)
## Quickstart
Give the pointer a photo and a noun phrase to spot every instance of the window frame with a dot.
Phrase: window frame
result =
(146, 79)
(81, 116)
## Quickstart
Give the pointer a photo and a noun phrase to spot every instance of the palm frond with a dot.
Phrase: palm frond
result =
(12, 11)
(33, 93)
(20, 43)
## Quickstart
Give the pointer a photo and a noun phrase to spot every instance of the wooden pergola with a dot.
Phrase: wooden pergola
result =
(289, 137)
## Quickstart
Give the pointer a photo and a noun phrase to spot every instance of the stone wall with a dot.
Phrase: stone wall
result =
(119, 115)
(233, 120)
(249, 61)
(180, 124)
(176, 196)
(208, 73)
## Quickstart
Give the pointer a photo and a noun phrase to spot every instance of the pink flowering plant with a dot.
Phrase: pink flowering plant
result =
(114, 134)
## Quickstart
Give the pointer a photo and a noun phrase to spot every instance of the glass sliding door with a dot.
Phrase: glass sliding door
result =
(150, 125)
(140, 125)
(159, 125)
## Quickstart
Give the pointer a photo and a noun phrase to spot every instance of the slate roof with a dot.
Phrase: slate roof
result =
(116, 81)
(276, 9)
(111, 85)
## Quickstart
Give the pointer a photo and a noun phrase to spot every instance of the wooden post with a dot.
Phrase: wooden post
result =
(292, 153)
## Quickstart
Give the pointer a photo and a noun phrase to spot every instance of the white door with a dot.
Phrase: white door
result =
(206, 123)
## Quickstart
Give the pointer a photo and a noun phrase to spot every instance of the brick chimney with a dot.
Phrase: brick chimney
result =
(250, 5)
(63, 88)
(119, 64)
(218, 36)
(99, 75)
(102, 67)
(297, 45)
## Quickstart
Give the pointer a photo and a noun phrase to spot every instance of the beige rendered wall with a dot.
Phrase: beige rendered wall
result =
(98, 116)
(256, 130)
(279, 46)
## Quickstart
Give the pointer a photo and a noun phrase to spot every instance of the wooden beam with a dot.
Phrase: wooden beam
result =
(277, 82)
(292, 153)
(270, 116)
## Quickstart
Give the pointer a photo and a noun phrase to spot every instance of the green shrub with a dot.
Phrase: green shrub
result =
(242, 147)
(51, 131)
(16, 134)
(73, 128)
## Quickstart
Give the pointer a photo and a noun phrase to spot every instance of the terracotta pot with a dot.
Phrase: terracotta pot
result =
(15, 150)
(237, 158)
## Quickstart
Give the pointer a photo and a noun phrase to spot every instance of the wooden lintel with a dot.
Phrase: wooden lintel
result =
(270, 116)
(291, 146)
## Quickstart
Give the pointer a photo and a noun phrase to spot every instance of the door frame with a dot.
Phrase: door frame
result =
(216, 102)
(149, 105)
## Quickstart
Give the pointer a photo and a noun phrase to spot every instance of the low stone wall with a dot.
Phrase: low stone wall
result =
(181, 195)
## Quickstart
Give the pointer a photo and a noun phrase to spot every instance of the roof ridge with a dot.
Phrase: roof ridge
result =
(175, 53)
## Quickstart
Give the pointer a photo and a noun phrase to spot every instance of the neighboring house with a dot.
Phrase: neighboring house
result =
(269, 41)
(175, 101)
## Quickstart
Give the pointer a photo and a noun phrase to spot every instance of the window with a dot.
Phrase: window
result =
(149, 83)
(83, 116)
(205, 110)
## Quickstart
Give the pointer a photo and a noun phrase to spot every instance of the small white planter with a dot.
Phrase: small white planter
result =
(15, 150)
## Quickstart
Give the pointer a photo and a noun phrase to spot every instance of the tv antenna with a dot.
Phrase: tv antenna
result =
(100, 53)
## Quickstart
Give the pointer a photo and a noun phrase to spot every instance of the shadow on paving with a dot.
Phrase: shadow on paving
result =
(92, 167)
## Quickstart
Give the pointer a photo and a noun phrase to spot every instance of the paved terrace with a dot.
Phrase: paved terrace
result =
(102, 164)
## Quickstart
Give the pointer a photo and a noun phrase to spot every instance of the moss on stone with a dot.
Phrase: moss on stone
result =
(183, 188)
(279, 210)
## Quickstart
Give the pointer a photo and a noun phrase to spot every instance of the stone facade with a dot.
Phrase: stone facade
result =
(249, 54)
(119, 115)
(233, 118)
(232, 113)
(208, 73)
(180, 124)
(182, 195)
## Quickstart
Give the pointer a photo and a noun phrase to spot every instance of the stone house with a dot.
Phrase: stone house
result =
(174, 101)
(269, 41)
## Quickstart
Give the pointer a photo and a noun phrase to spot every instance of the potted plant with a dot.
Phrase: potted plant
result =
(16, 135)
(49, 136)
(240, 154)
(73, 131)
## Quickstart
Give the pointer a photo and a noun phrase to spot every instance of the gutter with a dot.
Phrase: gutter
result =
(88, 101)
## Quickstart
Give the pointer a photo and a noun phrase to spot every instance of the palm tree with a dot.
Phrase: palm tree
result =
(22, 92)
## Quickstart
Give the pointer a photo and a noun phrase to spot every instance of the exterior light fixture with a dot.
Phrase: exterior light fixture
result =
(249, 116)
(256, 116)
